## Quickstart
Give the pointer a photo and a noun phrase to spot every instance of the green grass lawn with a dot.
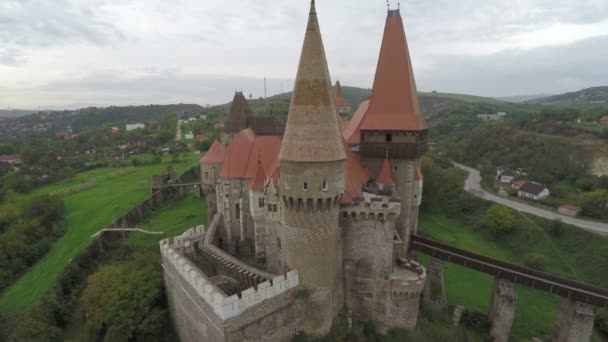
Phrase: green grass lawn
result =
(87, 212)
(573, 253)
(172, 219)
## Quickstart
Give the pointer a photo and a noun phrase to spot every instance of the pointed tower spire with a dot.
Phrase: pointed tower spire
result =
(312, 133)
(385, 176)
(394, 100)
(239, 114)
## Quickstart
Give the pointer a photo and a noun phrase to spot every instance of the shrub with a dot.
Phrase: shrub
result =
(499, 220)
(476, 321)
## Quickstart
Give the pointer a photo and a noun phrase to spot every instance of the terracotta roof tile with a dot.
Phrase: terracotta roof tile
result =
(352, 133)
(259, 180)
(356, 176)
(394, 100)
(386, 174)
(215, 154)
(245, 150)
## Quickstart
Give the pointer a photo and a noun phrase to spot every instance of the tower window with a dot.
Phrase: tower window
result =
(305, 186)
(237, 211)
(206, 175)
(389, 137)
(324, 185)
(395, 168)
(261, 202)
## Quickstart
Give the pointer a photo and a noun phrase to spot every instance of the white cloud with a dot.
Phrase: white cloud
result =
(119, 45)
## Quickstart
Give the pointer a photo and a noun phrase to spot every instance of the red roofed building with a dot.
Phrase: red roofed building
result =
(9, 159)
(336, 200)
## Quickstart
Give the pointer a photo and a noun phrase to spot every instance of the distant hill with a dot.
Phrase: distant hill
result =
(14, 113)
(590, 97)
(522, 98)
(433, 102)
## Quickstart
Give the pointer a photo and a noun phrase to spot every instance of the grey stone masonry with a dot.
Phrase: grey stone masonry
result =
(434, 292)
(574, 322)
(502, 309)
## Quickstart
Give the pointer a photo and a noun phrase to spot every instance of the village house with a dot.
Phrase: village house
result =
(492, 117)
(533, 191)
(570, 210)
(7, 159)
(132, 127)
(604, 121)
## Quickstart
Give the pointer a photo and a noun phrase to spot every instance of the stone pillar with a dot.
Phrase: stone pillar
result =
(434, 292)
(574, 322)
(502, 309)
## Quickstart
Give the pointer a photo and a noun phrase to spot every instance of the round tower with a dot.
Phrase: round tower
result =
(312, 176)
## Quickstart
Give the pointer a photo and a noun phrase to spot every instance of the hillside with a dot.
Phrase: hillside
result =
(435, 103)
(522, 98)
(590, 97)
(15, 113)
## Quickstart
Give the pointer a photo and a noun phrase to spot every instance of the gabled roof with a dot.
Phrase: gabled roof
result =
(532, 188)
(243, 153)
(352, 133)
(265, 125)
(385, 176)
(339, 99)
(394, 100)
(216, 153)
(312, 133)
(239, 112)
(259, 180)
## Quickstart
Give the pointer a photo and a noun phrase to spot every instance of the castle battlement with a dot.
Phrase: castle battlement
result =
(408, 280)
(378, 207)
(223, 306)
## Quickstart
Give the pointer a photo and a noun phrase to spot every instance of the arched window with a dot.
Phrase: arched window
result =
(237, 211)
(324, 185)
(305, 186)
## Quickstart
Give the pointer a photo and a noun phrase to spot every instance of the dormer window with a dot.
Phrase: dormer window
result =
(324, 185)
(305, 186)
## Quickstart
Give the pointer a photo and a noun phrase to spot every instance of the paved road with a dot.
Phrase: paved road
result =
(178, 133)
(473, 186)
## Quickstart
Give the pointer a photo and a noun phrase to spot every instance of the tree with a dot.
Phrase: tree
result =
(8, 214)
(498, 219)
(46, 209)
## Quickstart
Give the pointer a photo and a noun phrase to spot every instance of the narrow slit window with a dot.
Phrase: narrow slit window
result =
(324, 185)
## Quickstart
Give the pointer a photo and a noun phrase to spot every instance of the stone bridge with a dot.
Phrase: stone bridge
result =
(575, 320)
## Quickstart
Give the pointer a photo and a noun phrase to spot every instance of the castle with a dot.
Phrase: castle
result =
(309, 221)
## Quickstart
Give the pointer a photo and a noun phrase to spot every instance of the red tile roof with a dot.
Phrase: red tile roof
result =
(356, 176)
(7, 158)
(352, 133)
(245, 150)
(312, 133)
(394, 100)
(386, 174)
(259, 180)
(215, 154)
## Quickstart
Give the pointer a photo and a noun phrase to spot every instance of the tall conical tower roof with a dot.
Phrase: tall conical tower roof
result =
(394, 100)
(239, 113)
(312, 133)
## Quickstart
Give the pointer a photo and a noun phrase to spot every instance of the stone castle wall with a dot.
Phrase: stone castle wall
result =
(201, 311)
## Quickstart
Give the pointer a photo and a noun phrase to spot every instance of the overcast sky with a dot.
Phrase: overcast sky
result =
(101, 52)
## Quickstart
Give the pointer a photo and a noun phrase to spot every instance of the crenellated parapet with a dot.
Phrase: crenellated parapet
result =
(223, 306)
(408, 280)
(374, 208)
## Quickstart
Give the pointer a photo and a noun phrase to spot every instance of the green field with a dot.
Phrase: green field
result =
(536, 310)
(87, 212)
(172, 219)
